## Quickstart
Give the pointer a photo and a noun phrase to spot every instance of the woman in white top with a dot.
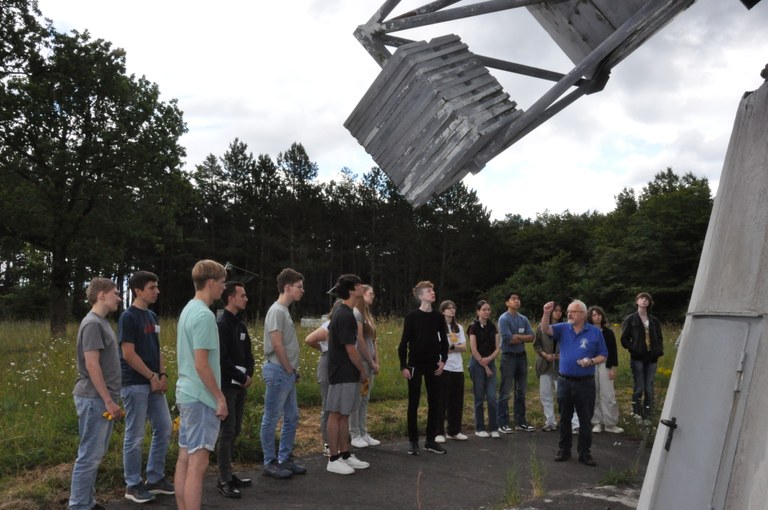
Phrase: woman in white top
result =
(452, 378)
(318, 339)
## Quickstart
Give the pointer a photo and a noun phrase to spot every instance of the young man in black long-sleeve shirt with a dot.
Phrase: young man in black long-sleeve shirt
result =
(423, 351)
(237, 365)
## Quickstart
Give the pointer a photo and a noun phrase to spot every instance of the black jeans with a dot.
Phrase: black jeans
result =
(452, 402)
(229, 430)
(578, 396)
(432, 383)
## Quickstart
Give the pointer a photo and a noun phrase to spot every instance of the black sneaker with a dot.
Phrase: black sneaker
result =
(162, 486)
(525, 427)
(587, 460)
(413, 449)
(228, 491)
(562, 455)
(240, 482)
(434, 448)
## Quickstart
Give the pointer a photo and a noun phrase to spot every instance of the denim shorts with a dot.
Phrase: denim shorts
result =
(199, 427)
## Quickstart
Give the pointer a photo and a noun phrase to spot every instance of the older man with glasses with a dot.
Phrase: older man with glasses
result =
(582, 346)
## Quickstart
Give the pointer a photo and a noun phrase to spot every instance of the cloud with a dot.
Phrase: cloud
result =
(271, 73)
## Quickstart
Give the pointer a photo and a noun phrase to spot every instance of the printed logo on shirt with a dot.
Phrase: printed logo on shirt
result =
(583, 343)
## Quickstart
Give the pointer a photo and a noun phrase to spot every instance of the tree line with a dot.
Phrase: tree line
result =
(92, 182)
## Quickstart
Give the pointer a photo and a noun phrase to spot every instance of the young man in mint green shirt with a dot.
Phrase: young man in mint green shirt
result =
(201, 403)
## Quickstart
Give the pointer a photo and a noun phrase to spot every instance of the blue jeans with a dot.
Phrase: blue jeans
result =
(579, 397)
(142, 405)
(94, 431)
(484, 390)
(279, 401)
(643, 374)
(514, 370)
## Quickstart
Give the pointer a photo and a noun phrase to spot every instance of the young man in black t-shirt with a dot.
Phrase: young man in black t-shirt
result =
(423, 352)
(345, 374)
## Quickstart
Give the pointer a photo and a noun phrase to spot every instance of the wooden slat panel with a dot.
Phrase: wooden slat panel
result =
(428, 114)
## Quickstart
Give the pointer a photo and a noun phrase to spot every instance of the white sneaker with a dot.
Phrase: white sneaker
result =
(614, 429)
(440, 439)
(355, 463)
(575, 430)
(457, 437)
(326, 450)
(359, 442)
(482, 433)
(339, 467)
(597, 428)
(371, 441)
(495, 434)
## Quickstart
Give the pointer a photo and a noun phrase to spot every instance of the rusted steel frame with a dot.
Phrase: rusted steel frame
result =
(592, 61)
(495, 63)
(589, 87)
(381, 14)
(466, 11)
(370, 34)
(430, 7)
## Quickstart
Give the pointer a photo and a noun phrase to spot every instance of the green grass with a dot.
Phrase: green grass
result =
(38, 425)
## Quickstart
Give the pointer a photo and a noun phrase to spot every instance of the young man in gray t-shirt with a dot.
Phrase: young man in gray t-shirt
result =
(280, 372)
(96, 390)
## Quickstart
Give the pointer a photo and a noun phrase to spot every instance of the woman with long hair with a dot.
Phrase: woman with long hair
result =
(547, 356)
(606, 413)
(484, 345)
(452, 378)
(358, 428)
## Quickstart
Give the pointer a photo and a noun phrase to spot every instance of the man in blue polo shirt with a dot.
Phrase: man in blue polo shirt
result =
(582, 346)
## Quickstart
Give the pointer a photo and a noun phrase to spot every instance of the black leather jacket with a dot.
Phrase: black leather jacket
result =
(633, 338)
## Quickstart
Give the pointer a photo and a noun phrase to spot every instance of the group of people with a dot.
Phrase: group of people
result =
(576, 360)
(216, 367)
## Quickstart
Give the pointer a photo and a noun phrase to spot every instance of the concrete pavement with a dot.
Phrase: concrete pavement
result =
(474, 474)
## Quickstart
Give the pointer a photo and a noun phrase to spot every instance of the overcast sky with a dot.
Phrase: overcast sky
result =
(274, 73)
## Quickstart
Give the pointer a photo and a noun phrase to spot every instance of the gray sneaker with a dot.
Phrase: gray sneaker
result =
(138, 494)
(273, 470)
(162, 486)
(296, 469)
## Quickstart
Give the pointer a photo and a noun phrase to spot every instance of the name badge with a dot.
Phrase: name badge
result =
(242, 337)
(157, 328)
(521, 330)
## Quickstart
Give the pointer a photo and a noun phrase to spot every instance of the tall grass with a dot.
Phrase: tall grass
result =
(38, 424)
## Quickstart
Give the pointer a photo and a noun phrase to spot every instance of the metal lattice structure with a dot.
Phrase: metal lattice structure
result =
(427, 127)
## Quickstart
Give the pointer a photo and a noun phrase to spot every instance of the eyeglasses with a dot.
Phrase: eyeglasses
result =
(298, 285)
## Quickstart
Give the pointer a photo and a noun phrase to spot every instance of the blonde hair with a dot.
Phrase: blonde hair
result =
(206, 270)
(96, 287)
(369, 327)
(424, 284)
